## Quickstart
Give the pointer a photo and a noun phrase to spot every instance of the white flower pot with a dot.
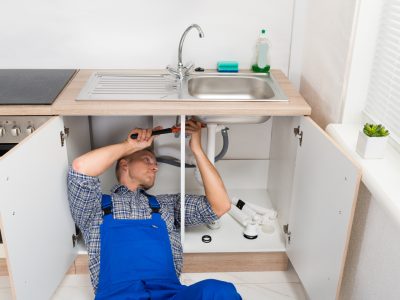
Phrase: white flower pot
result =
(371, 147)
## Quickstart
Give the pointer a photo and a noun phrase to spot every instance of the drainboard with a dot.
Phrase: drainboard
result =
(107, 86)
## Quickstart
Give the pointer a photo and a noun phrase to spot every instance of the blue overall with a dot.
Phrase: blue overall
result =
(136, 262)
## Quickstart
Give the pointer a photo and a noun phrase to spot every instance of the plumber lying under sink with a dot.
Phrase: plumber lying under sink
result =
(132, 237)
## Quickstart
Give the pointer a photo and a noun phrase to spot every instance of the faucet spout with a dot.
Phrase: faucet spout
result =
(201, 35)
(181, 72)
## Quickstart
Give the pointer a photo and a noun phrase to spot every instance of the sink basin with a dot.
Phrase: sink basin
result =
(235, 87)
(229, 87)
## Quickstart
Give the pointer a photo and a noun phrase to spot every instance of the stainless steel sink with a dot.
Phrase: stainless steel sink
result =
(196, 87)
(229, 88)
(235, 87)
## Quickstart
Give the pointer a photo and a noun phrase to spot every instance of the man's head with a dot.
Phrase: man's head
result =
(137, 170)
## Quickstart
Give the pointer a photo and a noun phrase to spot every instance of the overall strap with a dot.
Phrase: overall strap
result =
(106, 204)
(154, 205)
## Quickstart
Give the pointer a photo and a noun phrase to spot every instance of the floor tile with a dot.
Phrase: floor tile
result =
(273, 291)
(76, 280)
(5, 294)
(243, 277)
(73, 292)
(4, 282)
(251, 285)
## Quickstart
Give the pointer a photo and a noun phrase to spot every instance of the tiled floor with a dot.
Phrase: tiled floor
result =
(251, 285)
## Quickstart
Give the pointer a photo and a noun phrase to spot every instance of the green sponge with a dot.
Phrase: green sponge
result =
(228, 66)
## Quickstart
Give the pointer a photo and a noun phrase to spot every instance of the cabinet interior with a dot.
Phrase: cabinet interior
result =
(246, 169)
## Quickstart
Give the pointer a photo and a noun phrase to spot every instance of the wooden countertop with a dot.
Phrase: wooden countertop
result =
(65, 104)
(25, 110)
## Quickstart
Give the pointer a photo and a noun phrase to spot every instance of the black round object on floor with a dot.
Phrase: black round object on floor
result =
(250, 237)
(206, 238)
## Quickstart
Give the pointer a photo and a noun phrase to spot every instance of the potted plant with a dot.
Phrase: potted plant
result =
(372, 141)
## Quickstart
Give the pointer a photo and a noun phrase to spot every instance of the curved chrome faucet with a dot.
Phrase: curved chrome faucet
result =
(182, 71)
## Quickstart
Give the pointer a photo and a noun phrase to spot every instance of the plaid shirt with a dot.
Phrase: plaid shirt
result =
(84, 195)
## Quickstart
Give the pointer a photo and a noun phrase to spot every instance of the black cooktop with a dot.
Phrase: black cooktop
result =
(32, 86)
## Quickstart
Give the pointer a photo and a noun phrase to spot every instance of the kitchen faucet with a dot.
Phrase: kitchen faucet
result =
(182, 71)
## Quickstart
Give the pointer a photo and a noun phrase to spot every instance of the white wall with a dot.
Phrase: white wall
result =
(300, 12)
(372, 268)
(138, 33)
(360, 67)
(320, 55)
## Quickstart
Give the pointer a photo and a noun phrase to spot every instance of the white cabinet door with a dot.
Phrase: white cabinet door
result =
(37, 227)
(324, 194)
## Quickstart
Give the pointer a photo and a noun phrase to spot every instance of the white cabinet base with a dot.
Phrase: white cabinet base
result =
(229, 237)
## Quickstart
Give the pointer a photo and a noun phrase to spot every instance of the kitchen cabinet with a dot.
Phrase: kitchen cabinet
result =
(324, 190)
(312, 184)
(37, 231)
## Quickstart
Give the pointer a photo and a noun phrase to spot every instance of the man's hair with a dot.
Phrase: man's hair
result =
(117, 167)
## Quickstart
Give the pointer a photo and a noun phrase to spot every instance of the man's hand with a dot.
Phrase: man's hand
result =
(193, 128)
(213, 184)
(143, 140)
(97, 161)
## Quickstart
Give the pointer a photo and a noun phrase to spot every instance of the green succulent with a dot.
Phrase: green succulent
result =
(373, 130)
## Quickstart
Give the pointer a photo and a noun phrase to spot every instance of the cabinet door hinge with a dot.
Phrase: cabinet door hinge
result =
(74, 240)
(64, 135)
(76, 236)
(299, 134)
(287, 232)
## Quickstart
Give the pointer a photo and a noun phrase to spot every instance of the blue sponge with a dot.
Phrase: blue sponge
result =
(228, 66)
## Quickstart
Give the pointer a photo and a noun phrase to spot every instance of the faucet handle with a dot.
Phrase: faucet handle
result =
(189, 67)
(173, 71)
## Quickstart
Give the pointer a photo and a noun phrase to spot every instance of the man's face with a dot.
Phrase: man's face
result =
(142, 168)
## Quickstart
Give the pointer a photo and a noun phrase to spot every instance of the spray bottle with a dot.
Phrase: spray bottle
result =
(262, 64)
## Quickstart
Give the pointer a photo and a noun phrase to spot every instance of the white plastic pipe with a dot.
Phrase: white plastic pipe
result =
(183, 155)
(239, 215)
(212, 129)
(251, 209)
(211, 133)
